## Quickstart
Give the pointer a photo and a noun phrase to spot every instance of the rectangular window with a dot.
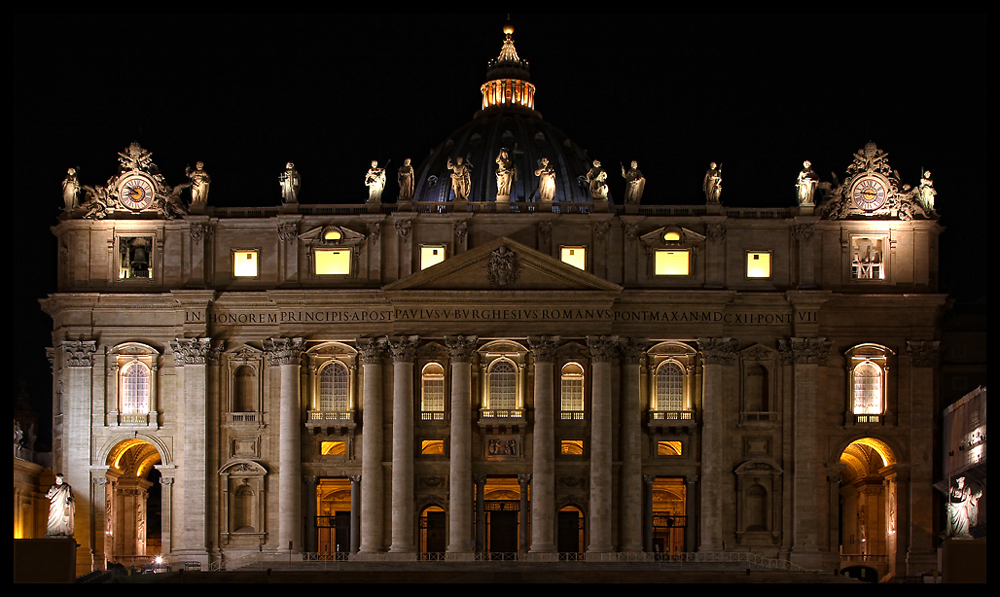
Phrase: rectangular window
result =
(432, 447)
(575, 256)
(868, 257)
(571, 446)
(758, 264)
(669, 448)
(672, 262)
(135, 257)
(431, 255)
(333, 262)
(245, 263)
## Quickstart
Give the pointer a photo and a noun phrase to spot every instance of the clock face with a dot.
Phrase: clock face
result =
(869, 194)
(136, 193)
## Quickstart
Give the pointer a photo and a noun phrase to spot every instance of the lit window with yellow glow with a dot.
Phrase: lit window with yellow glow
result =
(668, 448)
(431, 255)
(245, 264)
(671, 236)
(671, 262)
(333, 448)
(758, 264)
(332, 235)
(575, 256)
(432, 447)
(572, 447)
(333, 262)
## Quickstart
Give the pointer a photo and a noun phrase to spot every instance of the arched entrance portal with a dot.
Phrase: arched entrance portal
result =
(868, 506)
(133, 503)
(333, 518)
(433, 533)
(502, 505)
(571, 532)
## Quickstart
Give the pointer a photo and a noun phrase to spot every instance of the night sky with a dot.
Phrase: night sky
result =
(246, 94)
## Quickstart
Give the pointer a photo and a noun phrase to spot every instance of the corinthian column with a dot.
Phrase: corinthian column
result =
(371, 447)
(543, 451)
(603, 350)
(286, 353)
(717, 354)
(460, 477)
(404, 353)
(190, 355)
(806, 355)
(631, 433)
(74, 455)
(923, 360)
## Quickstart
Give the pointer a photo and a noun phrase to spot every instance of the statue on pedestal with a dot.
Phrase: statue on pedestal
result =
(546, 181)
(506, 175)
(635, 183)
(290, 182)
(713, 183)
(405, 178)
(375, 181)
(62, 509)
(200, 181)
(926, 191)
(806, 184)
(71, 189)
(461, 178)
(597, 178)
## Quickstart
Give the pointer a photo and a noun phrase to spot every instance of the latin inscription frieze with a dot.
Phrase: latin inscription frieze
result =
(513, 315)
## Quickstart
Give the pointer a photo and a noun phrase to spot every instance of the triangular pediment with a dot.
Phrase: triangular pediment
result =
(503, 264)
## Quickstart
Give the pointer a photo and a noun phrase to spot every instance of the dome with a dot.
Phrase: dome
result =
(507, 120)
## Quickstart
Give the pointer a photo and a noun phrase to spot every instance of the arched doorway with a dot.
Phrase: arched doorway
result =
(133, 504)
(868, 506)
(333, 518)
(502, 505)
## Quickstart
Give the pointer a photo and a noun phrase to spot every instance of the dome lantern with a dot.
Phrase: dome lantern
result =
(507, 78)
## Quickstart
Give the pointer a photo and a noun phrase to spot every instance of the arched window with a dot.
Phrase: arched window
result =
(669, 387)
(571, 392)
(334, 386)
(135, 389)
(503, 386)
(867, 368)
(867, 389)
(432, 392)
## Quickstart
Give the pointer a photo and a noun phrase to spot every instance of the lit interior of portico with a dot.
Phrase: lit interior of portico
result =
(133, 497)
(868, 506)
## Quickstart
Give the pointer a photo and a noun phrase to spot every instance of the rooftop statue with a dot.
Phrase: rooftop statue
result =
(713, 183)
(375, 181)
(461, 178)
(405, 178)
(290, 182)
(597, 179)
(806, 184)
(200, 180)
(62, 509)
(506, 175)
(926, 191)
(546, 181)
(71, 189)
(635, 183)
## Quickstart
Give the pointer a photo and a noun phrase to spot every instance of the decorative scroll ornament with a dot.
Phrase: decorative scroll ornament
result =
(804, 351)
(461, 347)
(80, 353)
(718, 351)
(544, 347)
(403, 348)
(502, 269)
(603, 348)
(193, 351)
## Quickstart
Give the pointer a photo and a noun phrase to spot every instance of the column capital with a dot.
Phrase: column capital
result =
(544, 347)
(194, 351)
(804, 351)
(461, 347)
(403, 348)
(603, 348)
(79, 353)
(633, 349)
(284, 351)
(718, 351)
(923, 353)
(371, 350)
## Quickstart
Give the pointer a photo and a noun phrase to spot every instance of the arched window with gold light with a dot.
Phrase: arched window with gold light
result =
(432, 406)
(571, 392)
